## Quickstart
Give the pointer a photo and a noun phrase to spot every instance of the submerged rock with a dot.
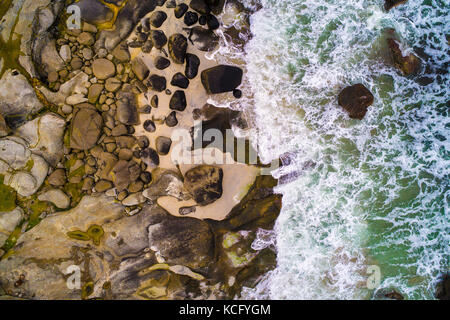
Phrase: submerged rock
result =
(221, 79)
(355, 100)
(204, 39)
(409, 64)
(389, 4)
(204, 183)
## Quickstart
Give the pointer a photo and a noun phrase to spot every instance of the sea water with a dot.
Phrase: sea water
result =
(363, 193)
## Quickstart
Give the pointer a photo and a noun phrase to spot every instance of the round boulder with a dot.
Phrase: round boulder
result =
(355, 100)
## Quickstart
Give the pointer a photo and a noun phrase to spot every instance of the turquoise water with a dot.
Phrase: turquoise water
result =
(379, 191)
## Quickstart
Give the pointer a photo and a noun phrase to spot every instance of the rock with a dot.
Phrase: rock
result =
(143, 142)
(103, 69)
(103, 185)
(158, 38)
(85, 129)
(119, 130)
(389, 4)
(179, 80)
(161, 63)
(106, 162)
(126, 141)
(192, 64)
(45, 136)
(177, 48)
(149, 126)
(150, 157)
(125, 172)
(17, 98)
(140, 69)
(178, 101)
(171, 120)
(187, 210)
(87, 53)
(204, 183)
(180, 10)
(65, 53)
(127, 108)
(221, 78)
(8, 222)
(355, 100)
(189, 243)
(121, 53)
(86, 39)
(200, 6)
(443, 288)
(57, 197)
(157, 83)
(76, 63)
(53, 76)
(202, 20)
(409, 64)
(95, 12)
(154, 102)
(204, 39)
(125, 154)
(89, 28)
(76, 99)
(4, 130)
(237, 93)
(157, 18)
(163, 145)
(45, 56)
(94, 92)
(112, 84)
(57, 178)
(190, 18)
(212, 22)
(133, 199)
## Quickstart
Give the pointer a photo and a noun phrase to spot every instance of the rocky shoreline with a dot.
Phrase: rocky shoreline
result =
(87, 176)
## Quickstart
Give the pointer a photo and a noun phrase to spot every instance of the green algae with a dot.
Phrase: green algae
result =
(36, 208)
(79, 235)
(87, 290)
(95, 232)
(7, 197)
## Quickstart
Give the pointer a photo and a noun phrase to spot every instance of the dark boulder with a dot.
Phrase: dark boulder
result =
(157, 18)
(200, 6)
(158, 38)
(204, 39)
(150, 157)
(156, 83)
(389, 4)
(192, 64)
(163, 145)
(178, 101)
(212, 22)
(171, 120)
(149, 126)
(355, 100)
(177, 48)
(127, 108)
(179, 80)
(180, 10)
(204, 183)
(221, 79)
(443, 288)
(161, 63)
(190, 18)
(184, 241)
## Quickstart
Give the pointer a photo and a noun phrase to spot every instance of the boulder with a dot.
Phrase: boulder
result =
(85, 128)
(180, 10)
(127, 108)
(190, 18)
(57, 197)
(355, 100)
(204, 183)
(45, 136)
(192, 64)
(140, 69)
(157, 18)
(103, 69)
(204, 39)
(168, 183)
(177, 48)
(190, 243)
(158, 38)
(150, 157)
(178, 101)
(221, 78)
(163, 145)
(179, 80)
(161, 63)
(200, 6)
(125, 172)
(409, 64)
(157, 83)
(171, 120)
